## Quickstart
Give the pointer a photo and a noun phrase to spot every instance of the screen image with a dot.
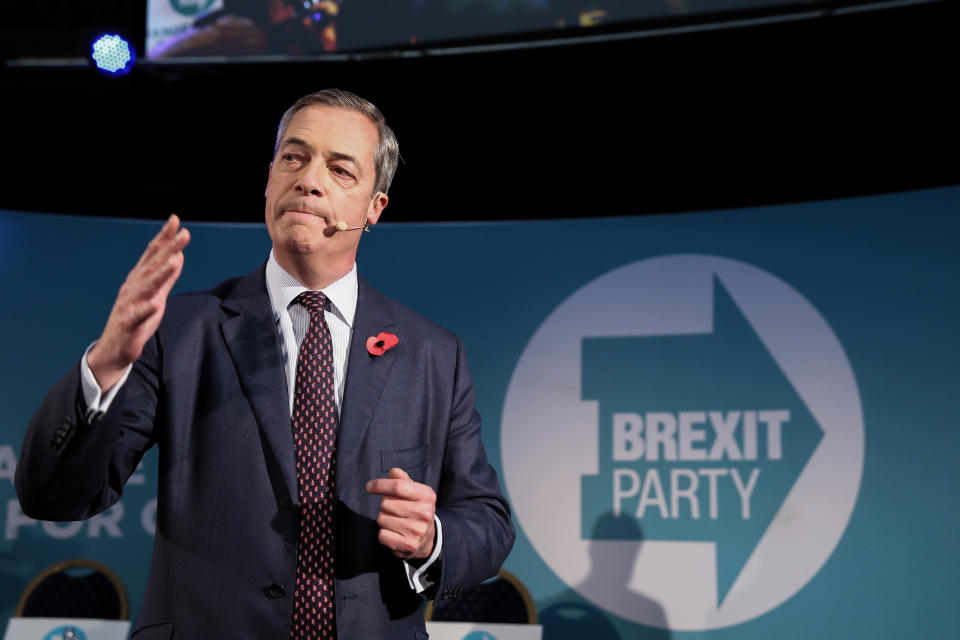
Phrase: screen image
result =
(188, 28)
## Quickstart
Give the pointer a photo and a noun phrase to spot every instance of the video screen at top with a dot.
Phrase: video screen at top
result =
(190, 28)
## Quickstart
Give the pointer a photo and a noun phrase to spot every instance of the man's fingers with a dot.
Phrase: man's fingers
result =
(401, 546)
(167, 244)
(385, 487)
(166, 248)
(407, 538)
(409, 523)
(401, 489)
(398, 484)
(139, 313)
(404, 526)
(160, 272)
(404, 508)
(166, 233)
(162, 275)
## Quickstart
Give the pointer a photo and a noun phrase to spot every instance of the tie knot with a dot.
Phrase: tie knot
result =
(312, 301)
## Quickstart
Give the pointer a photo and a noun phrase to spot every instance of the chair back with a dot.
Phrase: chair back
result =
(77, 588)
(503, 599)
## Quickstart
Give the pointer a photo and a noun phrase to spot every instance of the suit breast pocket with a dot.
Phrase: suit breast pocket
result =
(412, 460)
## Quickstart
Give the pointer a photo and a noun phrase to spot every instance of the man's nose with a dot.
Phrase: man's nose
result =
(313, 181)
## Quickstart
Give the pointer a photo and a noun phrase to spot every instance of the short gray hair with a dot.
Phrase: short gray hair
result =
(387, 152)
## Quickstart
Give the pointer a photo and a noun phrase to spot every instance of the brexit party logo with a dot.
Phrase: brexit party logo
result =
(191, 7)
(66, 633)
(703, 424)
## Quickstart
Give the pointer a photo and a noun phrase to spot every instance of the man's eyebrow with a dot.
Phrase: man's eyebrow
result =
(337, 155)
(300, 142)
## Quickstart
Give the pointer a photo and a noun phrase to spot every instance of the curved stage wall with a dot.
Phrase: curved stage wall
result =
(732, 424)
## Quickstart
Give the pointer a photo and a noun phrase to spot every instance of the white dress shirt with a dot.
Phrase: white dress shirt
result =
(292, 321)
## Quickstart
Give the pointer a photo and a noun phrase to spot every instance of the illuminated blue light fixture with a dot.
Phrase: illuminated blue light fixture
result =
(113, 55)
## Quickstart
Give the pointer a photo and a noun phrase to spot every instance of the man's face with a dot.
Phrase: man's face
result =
(323, 173)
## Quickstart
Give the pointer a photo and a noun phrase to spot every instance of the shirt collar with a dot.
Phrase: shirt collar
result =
(283, 288)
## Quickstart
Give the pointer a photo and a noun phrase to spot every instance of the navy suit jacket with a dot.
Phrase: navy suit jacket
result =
(210, 391)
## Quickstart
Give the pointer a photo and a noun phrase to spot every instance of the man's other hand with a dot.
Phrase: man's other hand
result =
(406, 514)
(140, 304)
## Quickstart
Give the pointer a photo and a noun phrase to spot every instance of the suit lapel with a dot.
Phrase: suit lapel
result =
(252, 340)
(366, 375)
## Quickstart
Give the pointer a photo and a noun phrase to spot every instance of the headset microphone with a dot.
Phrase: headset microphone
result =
(342, 226)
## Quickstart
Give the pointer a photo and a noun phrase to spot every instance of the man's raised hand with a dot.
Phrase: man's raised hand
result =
(140, 304)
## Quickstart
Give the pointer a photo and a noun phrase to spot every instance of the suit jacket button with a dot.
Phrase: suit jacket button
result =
(275, 591)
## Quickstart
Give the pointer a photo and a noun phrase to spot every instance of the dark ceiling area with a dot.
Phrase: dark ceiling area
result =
(834, 106)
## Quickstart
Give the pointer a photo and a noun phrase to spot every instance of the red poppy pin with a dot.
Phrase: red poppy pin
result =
(382, 342)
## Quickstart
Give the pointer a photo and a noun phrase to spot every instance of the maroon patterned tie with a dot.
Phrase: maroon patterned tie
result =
(314, 438)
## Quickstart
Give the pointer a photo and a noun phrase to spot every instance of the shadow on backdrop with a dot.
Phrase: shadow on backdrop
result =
(567, 616)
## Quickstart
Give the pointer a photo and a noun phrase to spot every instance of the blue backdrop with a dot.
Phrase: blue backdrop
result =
(731, 424)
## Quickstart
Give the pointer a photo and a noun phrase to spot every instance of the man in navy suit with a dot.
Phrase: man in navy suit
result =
(209, 378)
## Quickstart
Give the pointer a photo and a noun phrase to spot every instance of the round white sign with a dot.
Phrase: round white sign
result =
(669, 576)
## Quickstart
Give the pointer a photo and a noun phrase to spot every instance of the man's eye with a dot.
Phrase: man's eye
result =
(289, 157)
(340, 171)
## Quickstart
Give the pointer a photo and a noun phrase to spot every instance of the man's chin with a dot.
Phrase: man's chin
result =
(299, 240)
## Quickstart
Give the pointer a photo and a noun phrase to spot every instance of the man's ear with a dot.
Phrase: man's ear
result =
(269, 175)
(377, 204)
